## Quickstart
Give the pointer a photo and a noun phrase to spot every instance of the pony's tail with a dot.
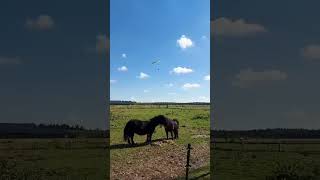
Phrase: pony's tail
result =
(125, 134)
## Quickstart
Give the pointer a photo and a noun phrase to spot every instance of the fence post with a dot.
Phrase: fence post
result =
(279, 147)
(242, 146)
(188, 160)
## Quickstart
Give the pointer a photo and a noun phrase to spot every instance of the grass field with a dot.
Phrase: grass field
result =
(53, 159)
(164, 159)
(263, 159)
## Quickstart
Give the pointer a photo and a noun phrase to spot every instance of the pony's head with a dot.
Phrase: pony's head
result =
(160, 119)
(176, 120)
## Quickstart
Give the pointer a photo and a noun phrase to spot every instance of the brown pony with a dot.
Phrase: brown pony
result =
(172, 126)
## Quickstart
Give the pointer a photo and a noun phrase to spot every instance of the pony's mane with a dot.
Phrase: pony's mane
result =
(158, 117)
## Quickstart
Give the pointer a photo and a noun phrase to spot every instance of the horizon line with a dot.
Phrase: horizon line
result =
(160, 101)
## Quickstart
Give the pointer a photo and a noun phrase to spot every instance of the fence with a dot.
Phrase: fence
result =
(188, 161)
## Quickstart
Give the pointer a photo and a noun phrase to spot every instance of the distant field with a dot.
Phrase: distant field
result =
(163, 159)
(262, 158)
(53, 159)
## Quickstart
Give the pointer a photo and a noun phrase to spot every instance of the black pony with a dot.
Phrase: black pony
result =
(142, 128)
(172, 126)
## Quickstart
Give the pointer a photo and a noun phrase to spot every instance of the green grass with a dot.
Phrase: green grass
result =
(194, 120)
(200, 173)
(258, 161)
(54, 158)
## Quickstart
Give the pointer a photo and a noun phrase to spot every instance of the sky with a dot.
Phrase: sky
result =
(265, 59)
(160, 50)
(53, 62)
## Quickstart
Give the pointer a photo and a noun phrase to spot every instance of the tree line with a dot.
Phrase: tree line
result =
(31, 130)
(155, 103)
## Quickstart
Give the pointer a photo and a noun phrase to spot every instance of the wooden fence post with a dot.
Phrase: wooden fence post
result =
(242, 146)
(279, 147)
(188, 160)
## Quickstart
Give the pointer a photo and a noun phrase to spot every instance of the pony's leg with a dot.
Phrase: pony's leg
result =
(132, 142)
(171, 134)
(129, 140)
(147, 141)
(150, 137)
(176, 134)
(167, 134)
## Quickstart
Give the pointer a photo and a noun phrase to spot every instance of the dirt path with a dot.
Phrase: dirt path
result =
(162, 160)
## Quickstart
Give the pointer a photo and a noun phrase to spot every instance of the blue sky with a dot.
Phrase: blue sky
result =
(51, 66)
(142, 32)
(266, 56)
(266, 59)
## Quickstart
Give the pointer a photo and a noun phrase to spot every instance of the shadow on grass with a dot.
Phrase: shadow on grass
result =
(200, 177)
(194, 177)
(125, 145)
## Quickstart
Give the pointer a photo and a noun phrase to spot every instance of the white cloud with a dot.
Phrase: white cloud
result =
(203, 37)
(190, 86)
(132, 98)
(124, 55)
(237, 28)
(203, 99)
(185, 42)
(172, 93)
(146, 90)
(112, 81)
(169, 85)
(207, 78)
(143, 76)
(311, 52)
(248, 77)
(42, 22)
(123, 69)
(182, 70)
(10, 60)
(102, 43)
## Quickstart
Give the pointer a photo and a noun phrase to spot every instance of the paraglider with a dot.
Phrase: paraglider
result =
(156, 63)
